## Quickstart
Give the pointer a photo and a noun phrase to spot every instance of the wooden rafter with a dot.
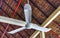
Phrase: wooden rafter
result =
(47, 22)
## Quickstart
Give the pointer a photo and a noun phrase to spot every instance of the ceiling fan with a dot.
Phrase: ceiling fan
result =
(25, 25)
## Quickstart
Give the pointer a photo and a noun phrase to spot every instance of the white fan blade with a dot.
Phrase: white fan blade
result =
(17, 30)
(28, 13)
(36, 27)
(12, 21)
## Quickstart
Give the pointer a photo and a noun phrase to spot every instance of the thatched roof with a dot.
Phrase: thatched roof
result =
(41, 11)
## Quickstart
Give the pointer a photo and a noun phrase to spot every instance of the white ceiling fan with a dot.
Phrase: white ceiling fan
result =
(25, 25)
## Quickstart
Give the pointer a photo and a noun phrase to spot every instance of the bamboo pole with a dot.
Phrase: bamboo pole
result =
(47, 22)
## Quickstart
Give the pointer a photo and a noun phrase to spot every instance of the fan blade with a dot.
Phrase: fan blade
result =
(28, 13)
(36, 27)
(17, 30)
(12, 21)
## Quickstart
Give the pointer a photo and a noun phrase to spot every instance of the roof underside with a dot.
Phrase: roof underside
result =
(41, 11)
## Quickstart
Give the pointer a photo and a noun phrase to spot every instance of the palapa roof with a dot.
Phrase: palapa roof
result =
(42, 9)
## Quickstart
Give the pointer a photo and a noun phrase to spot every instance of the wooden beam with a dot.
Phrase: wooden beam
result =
(48, 21)
(34, 34)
